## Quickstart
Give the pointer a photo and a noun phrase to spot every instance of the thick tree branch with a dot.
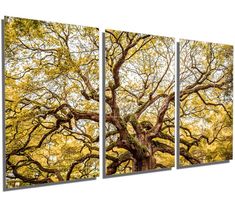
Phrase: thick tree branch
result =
(112, 168)
(82, 159)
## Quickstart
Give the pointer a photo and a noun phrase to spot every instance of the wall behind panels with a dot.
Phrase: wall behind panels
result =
(199, 20)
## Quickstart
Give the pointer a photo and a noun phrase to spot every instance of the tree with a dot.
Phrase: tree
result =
(139, 100)
(206, 74)
(51, 102)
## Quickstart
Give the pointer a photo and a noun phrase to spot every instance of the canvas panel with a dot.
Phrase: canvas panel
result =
(139, 101)
(206, 105)
(51, 102)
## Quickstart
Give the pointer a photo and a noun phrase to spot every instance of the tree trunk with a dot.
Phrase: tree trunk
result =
(144, 164)
(147, 162)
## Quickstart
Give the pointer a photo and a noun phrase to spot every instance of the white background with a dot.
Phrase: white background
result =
(200, 20)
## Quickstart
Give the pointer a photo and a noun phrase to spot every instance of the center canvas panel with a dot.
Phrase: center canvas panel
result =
(139, 102)
(51, 102)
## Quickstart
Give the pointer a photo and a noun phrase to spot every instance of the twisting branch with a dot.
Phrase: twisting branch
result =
(82, 159)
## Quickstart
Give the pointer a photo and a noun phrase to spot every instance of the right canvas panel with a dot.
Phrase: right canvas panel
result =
(206, 104)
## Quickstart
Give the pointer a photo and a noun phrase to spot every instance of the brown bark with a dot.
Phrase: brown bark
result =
(147, 160)
(148, 163)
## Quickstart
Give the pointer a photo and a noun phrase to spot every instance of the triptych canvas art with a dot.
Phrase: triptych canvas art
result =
(52, 98)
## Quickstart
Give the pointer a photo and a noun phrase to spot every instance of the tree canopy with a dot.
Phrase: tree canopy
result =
(51, 102)
(206, 88)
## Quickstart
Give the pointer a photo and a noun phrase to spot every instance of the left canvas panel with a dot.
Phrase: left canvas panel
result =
(51, 102)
